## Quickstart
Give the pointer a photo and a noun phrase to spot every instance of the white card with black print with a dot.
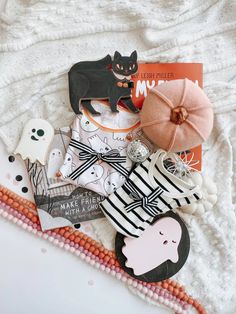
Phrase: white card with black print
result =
(60, 203)
(14, 175)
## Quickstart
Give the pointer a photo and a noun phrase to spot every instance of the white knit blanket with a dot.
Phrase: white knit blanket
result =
(40, 40)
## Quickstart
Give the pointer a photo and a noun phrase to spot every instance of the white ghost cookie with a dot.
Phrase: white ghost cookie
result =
(35, 141)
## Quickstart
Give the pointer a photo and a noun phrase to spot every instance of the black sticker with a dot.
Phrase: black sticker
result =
(171, 264)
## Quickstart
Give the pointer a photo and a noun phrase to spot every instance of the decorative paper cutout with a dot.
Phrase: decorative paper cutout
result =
(35, 141)
(103, 79)
(155, 246)
(153, 256)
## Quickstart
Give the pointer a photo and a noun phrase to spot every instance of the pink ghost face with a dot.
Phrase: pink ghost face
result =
(158, 244)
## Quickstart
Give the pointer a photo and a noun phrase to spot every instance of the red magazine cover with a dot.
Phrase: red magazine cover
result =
(152, 74)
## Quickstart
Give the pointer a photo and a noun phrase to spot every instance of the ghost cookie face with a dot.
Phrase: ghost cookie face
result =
(35, 141)
(159, 253)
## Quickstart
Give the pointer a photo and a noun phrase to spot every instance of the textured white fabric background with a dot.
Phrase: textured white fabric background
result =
(39, 42)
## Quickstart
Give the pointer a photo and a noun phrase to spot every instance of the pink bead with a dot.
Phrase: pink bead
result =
(124, 279)
(103, 267)
(118, 275)
(135, 284)
(130, 281)
(161, 299)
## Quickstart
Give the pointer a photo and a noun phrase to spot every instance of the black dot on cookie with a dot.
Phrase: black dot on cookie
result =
(11, 158)
(77, 226)
(19, 178)
(24, 189)
(40, 132)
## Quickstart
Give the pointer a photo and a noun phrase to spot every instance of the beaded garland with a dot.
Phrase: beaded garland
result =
(167, 292)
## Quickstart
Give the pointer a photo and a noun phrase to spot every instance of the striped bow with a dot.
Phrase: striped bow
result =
(148, 203)
(112, 157)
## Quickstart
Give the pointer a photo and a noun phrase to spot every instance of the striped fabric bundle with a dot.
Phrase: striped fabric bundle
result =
(149, 191)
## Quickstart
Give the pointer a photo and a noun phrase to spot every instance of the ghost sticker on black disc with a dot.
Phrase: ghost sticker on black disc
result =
(159, 253)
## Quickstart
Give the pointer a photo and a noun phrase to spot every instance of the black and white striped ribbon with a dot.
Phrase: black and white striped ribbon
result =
(148, 203)
(112, 157)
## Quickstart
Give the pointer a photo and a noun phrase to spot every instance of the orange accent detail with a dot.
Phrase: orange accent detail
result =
(106, 129)
(178, 115)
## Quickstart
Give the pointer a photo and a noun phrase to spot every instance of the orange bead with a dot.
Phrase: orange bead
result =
(5, 197)
(106, 259)
(77, 239)
(112, 261)
(25, 211)
(29, 215)
(87, 246)
(117, 264)
(66, 234)
(34, 219)
(72, 237)
(82, 242)
(15, 205)
(181, 295)
(10, 201)
(170, 288)
(101, 255)
(92, 248)
(176, 292)
(61, 232)
(165, 285)
(96, 252)
(21, 208)
(190, 301)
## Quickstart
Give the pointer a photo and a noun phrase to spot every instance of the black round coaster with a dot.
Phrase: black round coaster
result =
(166, 269)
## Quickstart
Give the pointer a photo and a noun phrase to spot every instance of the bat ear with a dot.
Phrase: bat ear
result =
(134, 55)
(117, 55)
